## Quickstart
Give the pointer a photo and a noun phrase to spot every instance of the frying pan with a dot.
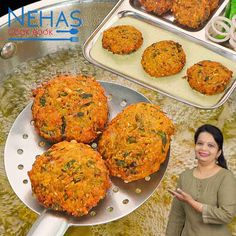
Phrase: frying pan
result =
(22, 147)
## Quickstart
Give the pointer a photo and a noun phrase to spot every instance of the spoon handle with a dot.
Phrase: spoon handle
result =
(50, 223)
(62, 31)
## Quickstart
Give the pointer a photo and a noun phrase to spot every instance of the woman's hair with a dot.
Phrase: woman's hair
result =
(218, 137)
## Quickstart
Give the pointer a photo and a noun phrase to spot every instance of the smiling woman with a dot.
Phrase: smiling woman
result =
(205, 197)
(209, 146)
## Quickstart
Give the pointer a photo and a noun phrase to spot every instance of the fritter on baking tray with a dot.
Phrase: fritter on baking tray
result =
(70, 107)
(158, 7)
(208, 77)
(191, 13)
(213, 4)
(136, 141)
(69, 177)
(163, 58)
(122, 39)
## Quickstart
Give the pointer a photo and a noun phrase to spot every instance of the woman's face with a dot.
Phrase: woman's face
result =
(206, 148)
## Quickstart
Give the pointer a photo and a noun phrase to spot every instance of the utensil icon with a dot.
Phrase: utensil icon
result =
(72, 39)
(71, 31)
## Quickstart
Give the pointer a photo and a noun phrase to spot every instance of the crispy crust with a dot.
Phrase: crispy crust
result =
(122, 39)
(191, 13)
(213, 4)
(70, 107)
(136, 141)
(163, 58)
(69, 177)
(209, 77)
(158, 7)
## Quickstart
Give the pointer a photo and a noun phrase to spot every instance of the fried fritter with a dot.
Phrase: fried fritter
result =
(163, 58)
(136, 141)
(191, 13)
(70, 107)
(69, 177)
(158, 7)
(213, 4)
(122, 39)
(209, 77)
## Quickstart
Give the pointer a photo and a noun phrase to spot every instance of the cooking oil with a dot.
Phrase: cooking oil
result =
(151, 218)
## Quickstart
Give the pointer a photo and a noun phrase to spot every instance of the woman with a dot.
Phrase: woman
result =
(205, 199)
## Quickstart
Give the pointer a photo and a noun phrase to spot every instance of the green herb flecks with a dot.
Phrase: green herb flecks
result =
(125, 154)
(162, 150)
(121, 163)
(68, 165)
(80, 114)
(56, 206)
(179, 47)
(133, 171)
(90, 163)
(47, 153)
(163, 137)
(63, 94)
(131, 139)
(139, 120)
(42, 101)
(65, 196)
(86, 95)
(63, 125)
(86, 104)
(77, 178)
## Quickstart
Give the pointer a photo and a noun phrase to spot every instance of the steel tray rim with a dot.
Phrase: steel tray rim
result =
(121, 9)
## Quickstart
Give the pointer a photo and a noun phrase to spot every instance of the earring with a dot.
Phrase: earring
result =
(217, 161)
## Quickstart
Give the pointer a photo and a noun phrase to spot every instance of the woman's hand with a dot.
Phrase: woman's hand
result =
(185, 197)
(181, 195)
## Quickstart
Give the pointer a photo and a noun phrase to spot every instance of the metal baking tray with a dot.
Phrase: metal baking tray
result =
(167, 21)
(154, 29)
(168, 16)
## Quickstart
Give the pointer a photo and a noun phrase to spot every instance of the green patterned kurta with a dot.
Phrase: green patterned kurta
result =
(217, 193)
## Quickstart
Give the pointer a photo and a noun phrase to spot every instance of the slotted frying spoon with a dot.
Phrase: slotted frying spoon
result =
(22, 147)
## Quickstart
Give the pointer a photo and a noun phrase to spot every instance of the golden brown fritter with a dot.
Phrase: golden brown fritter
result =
(70, 107)
(163, 58)
(136, 141)
(122, 39)
(191, 13)
(213, 4)
(209, 77)
(158, 7)
(69, 177)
